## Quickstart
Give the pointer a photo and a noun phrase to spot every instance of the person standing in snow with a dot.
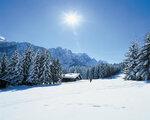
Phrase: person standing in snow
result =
(90, 79)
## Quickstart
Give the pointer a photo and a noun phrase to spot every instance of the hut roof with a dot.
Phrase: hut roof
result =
(71, 75)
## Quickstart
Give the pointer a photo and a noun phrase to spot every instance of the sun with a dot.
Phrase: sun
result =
(72, 18)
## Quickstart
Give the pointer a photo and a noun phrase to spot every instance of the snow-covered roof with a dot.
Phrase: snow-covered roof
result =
(71, 75)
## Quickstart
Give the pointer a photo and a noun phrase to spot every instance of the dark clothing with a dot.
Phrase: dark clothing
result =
(90, 80)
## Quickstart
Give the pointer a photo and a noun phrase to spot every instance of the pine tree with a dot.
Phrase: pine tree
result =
(34, 75)
(12, 68)
(0, 68)
(143, 67)
(96, 72)
(25, 65)
(131, 62)
(100, 71)
(87, 73)
(46, 75)
(56, 71)
(4, 66)
(83, 72)
(92, 70)
(19, 75)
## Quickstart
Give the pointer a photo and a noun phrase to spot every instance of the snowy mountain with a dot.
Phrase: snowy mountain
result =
(68, 58)
(10, 47)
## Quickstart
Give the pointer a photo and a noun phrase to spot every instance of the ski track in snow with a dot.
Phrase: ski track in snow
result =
(103, 99)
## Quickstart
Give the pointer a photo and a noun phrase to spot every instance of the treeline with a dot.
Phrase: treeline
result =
(31, 68)
(137, 63)
(38, 68)
(102, 70)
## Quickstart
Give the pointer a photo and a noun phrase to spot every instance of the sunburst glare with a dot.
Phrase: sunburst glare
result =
(72, 18)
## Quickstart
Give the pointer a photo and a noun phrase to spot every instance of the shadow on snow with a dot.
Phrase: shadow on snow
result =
(24, 87)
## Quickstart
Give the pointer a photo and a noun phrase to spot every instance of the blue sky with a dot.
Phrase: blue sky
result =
(108, 28)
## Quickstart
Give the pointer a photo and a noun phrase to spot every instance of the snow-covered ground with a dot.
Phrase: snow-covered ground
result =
(107, 99)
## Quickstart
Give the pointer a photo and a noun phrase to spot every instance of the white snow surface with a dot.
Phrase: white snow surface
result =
(103, 99)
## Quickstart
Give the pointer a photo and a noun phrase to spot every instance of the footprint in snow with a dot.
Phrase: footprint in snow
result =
(45, 105)
(96, 106)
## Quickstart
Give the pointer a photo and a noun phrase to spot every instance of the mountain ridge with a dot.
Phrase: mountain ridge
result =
(79, 59)
(66, 57)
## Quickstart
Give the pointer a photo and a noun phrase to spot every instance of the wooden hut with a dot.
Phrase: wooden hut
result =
(70, 77)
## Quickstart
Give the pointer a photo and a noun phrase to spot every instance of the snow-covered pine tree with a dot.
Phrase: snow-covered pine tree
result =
(92, 70)
(83, 72)
(4, 66)
(96, 72)
(71, 69)
(76, 69)
(25, 64)
(106, 70)
(41, 64)
(18, 74)
(0, 68)
(131, 62)
(34, 75)
(12, 68)
(56, 71)
(100, 70)
(45, 70)
(143, 67)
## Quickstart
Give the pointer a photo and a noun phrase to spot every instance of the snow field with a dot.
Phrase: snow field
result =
(102, 99)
